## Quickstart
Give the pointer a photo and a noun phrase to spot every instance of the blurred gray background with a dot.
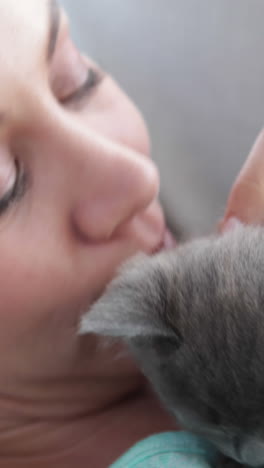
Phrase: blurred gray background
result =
(195, 68)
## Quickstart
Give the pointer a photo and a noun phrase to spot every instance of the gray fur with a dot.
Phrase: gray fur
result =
(194, 319)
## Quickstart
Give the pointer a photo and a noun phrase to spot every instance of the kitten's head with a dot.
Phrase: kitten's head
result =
(194, 319)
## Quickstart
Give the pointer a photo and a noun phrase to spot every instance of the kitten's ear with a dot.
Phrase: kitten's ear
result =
(113, 315)
(131, 305)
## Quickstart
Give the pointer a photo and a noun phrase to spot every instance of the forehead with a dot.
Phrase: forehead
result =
(24, 27)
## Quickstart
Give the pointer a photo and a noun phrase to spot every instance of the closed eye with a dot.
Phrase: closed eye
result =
(16, 191)
(94, 77)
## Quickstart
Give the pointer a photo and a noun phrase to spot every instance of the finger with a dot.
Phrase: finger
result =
(246, 200)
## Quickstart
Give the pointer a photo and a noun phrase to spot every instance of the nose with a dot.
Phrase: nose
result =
(123, 184)
(112, 183)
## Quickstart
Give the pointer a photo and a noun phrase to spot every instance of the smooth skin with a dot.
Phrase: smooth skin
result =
(78, 196)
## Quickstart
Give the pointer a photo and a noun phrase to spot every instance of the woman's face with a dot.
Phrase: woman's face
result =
(77, 188)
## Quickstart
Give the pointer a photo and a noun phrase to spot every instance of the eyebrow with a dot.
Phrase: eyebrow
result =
(54, 15)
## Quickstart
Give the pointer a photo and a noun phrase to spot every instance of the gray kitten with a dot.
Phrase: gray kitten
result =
(194, 319)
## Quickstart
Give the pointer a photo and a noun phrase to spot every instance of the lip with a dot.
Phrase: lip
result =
(150, 230)
(168, 242)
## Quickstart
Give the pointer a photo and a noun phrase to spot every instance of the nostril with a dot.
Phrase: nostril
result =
(95, 221)
(129, 188)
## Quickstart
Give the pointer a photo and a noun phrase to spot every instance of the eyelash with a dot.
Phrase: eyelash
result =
(17, 191)
(93, 79)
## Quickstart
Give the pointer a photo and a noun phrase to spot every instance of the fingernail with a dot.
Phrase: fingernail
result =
(169, 240)
(230, 224)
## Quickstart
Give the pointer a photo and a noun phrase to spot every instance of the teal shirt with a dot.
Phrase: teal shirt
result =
(169, 450)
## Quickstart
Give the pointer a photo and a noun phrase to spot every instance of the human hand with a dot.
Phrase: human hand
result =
(246, 200)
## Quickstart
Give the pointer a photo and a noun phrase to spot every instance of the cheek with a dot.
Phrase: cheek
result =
(31, 287)
(36, 278)
(46, 280)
